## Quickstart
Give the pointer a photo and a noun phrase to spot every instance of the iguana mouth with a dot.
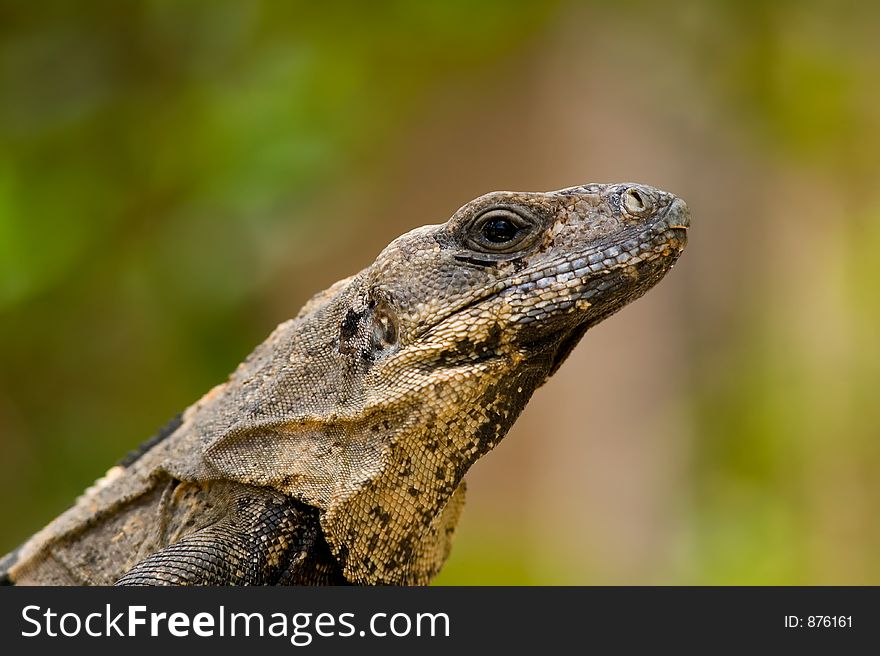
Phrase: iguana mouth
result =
(664, 239)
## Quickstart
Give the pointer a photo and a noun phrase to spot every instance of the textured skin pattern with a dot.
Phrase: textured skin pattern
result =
(263, 539)
(337, 450)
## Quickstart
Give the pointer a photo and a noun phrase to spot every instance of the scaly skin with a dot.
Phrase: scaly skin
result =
(336, 452)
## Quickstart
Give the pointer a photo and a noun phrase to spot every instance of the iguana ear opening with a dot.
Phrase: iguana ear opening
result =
(369, 330)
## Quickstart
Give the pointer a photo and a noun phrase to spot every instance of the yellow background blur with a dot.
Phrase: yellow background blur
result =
(176, 178)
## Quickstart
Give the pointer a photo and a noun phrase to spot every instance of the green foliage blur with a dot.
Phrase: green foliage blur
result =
(178, 177)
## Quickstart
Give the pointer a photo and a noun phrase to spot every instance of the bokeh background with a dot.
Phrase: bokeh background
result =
(177, 178)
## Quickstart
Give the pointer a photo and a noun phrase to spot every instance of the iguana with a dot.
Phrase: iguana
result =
(336, 452)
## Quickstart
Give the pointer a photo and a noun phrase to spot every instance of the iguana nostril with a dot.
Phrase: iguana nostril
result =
(634, 201)
(637, 202)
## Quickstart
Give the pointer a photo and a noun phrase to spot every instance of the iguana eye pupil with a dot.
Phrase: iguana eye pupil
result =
(500, 230)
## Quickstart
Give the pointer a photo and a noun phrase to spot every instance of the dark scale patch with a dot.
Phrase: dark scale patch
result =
(447, 487)
(463, 349)
(429, 513)
(321, 567)
(494, 422)
(493, 337)
(350, 324)
(458, 466)
(405, 551)
(382, 515)
(473, 352)
(348, 331)
(488, 433)
(134, 455)
(406, 468)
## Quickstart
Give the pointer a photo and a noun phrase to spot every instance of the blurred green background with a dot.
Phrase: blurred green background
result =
(176, 178)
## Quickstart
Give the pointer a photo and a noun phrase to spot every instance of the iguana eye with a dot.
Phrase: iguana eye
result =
(501, 231)
(385, 331)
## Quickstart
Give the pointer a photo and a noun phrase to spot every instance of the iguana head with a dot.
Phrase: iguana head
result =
(513, 272)
(374, 402)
